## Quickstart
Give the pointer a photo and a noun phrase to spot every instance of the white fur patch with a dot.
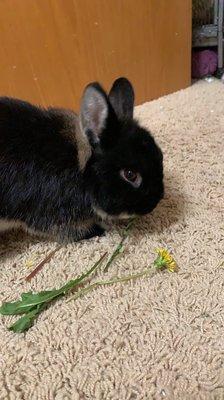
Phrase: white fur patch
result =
(103, 215)
(125, 216)
(5, 224)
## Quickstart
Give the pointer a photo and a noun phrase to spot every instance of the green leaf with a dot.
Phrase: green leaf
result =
(30, 300)
(22, 324)
(14, 308)
(25, 322)
(25, 295)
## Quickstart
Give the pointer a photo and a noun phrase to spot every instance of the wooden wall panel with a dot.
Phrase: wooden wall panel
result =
(50, 49)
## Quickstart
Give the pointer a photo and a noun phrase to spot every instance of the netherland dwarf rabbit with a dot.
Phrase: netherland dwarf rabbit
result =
(61, 174)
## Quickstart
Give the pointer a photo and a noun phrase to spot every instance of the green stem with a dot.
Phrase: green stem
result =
(119, 247)
(74, 282)
(127, 278)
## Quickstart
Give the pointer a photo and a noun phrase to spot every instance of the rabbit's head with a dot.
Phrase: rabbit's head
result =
(124, 174)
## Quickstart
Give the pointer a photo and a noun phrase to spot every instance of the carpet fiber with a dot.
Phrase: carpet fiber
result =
(156, 338)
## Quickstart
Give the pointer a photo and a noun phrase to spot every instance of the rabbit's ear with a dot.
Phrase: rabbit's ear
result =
(94, 112)
(122, 98)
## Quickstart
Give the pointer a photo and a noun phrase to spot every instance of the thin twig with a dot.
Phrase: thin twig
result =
(42, 263)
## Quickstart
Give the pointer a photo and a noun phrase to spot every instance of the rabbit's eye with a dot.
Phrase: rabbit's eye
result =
(130, 175)
(134, 178)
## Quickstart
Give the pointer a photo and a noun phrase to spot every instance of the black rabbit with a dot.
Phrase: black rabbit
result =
(61, 174)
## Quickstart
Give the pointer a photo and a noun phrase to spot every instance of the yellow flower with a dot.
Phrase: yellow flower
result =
(29, 263)
(165, 260)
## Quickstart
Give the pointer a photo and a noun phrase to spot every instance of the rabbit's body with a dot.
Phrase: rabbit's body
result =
(41, 184)
(54, 176)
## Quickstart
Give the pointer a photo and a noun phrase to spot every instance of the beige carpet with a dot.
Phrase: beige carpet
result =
(158, 338)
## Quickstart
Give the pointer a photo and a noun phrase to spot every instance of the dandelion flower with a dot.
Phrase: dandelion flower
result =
(165, 260)
(29, 263)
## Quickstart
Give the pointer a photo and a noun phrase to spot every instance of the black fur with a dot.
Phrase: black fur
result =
(132, 148)
(122, 105)
(41, 183)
